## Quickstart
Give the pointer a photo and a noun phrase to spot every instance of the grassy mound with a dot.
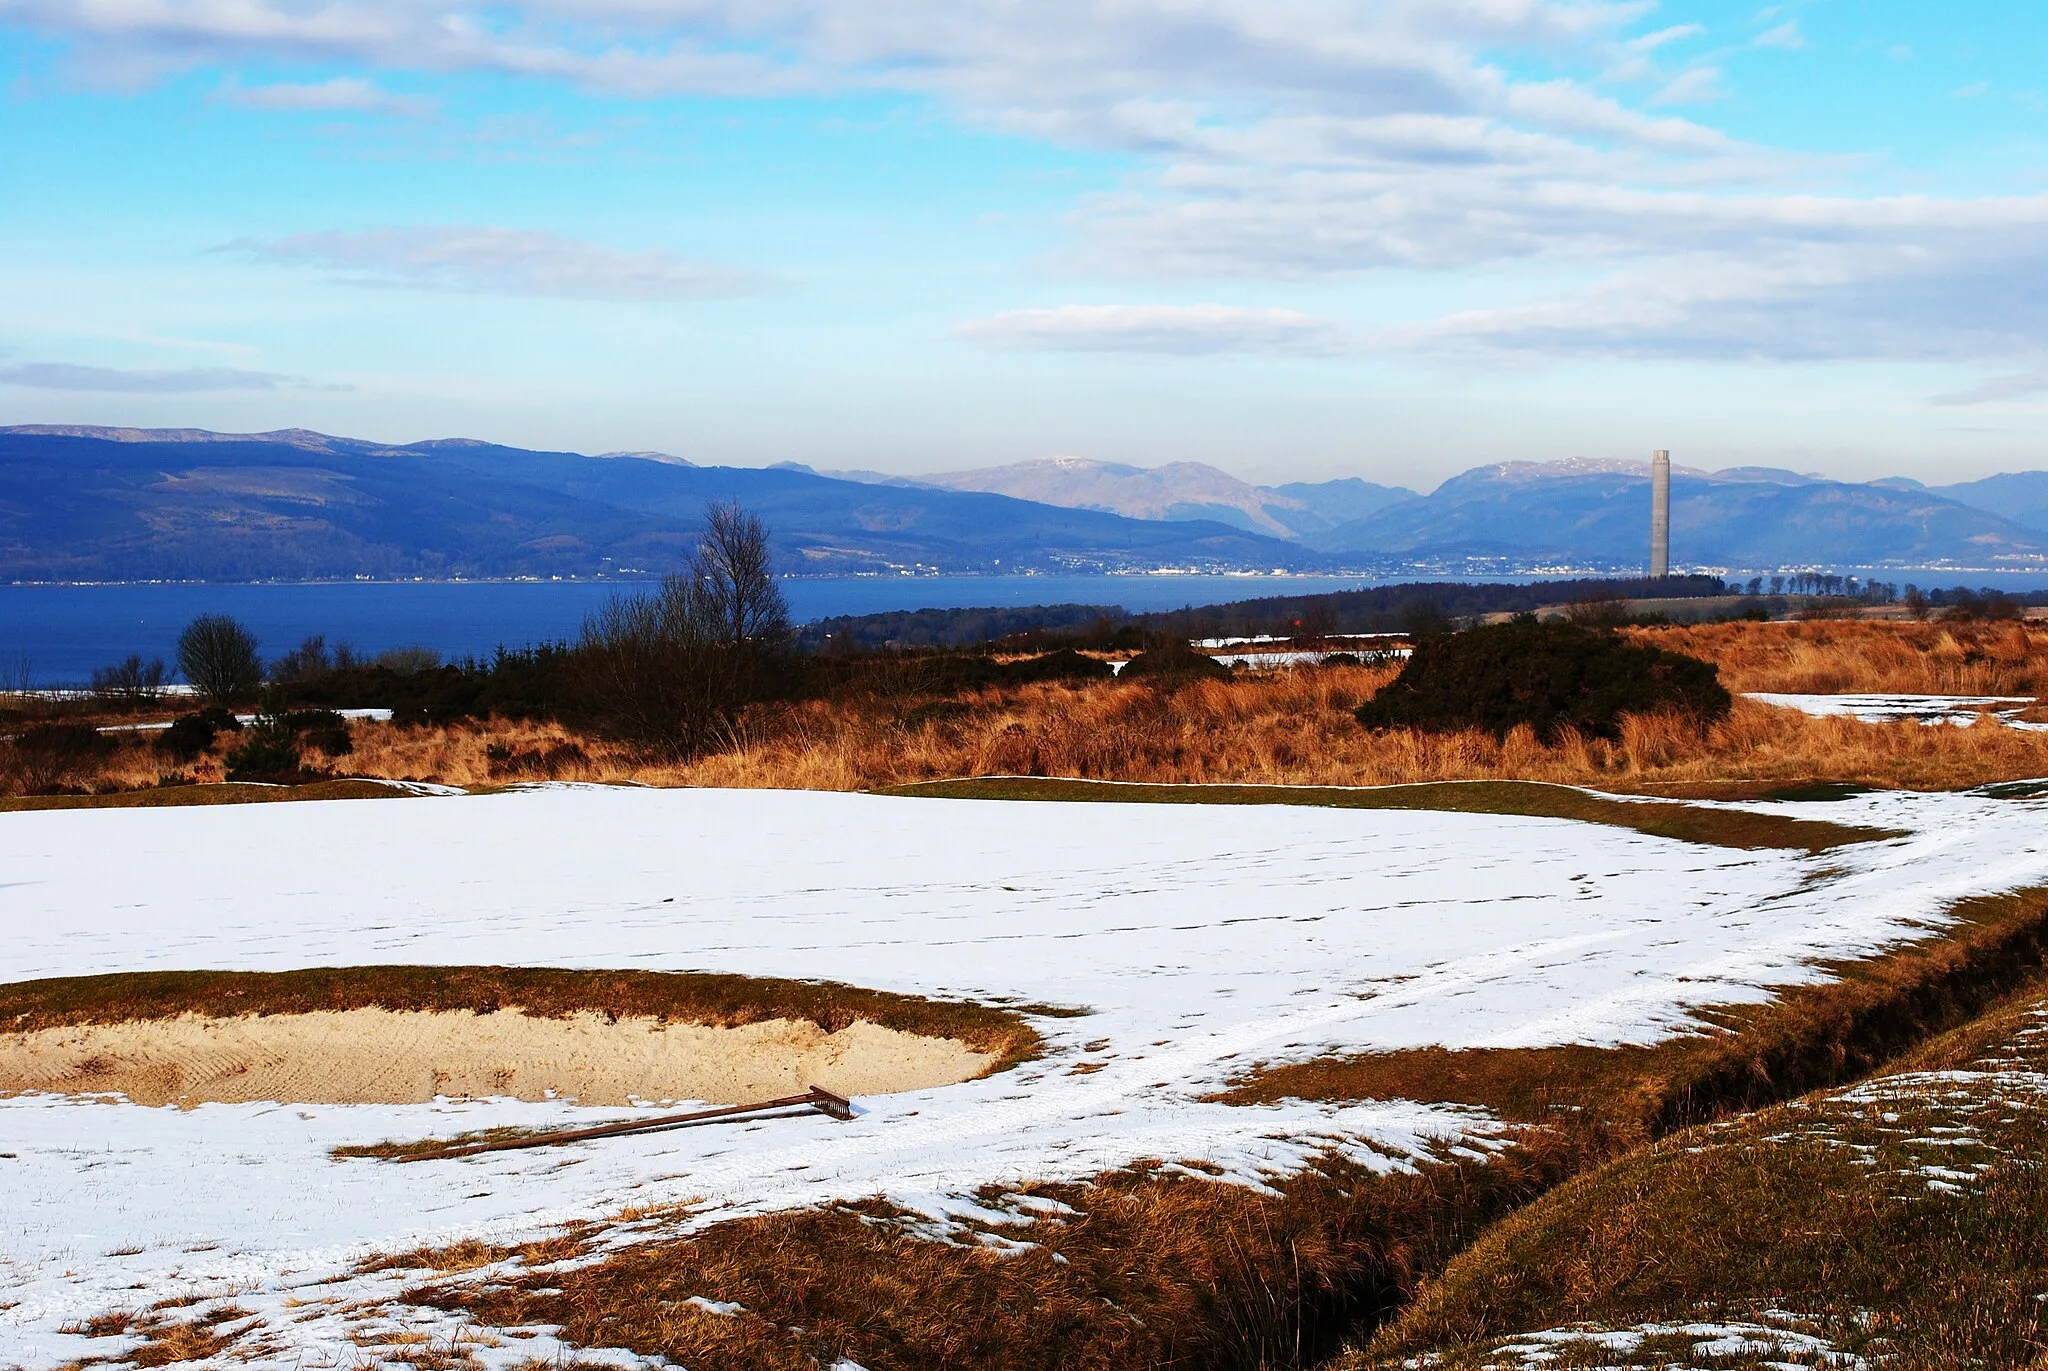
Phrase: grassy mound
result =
(1550, 677)
(1898, 1222)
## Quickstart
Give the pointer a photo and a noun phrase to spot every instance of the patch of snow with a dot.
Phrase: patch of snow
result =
(1961, 710)
(1201, 939)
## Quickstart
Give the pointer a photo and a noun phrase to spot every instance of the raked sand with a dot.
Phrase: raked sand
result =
(379, 1056)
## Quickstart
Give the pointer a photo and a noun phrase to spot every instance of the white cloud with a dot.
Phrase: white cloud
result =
(340, 95)
(1174, 329)
(1282, 139)
(1693, 87)
(65, 376)
(1996, 389)
(501, 261)
(1785, 35)
(1971, 91)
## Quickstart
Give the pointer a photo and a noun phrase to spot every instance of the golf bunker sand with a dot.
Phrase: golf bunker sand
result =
(381, 1056)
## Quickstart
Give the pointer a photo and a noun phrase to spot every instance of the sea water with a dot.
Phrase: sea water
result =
(64, 632)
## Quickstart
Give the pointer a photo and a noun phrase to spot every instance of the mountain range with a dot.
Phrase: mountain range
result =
(80, 503)
(1178, 490)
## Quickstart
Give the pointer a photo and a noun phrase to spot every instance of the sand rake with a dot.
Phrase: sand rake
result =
(817, 1099)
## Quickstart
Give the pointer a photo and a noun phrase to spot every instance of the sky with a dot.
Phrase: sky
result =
(1295, 239)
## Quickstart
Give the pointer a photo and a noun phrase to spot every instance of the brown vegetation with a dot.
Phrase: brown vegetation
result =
(1148, 1267)
(1848, 656)
(1289, 727)
(1900, 1223)
(1282, 728)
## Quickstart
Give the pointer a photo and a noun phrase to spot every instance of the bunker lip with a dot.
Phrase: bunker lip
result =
(381, 1056)
(409, 1034)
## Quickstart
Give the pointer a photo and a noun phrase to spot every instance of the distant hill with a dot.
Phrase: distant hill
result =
(1176, 491)
(132, 504)
(2021, 496)
(1598, 512)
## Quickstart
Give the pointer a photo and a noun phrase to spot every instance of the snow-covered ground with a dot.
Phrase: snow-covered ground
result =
(376, 716)
(1202, 939)
(1927, 709)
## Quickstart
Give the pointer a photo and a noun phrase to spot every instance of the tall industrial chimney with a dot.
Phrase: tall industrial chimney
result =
(1660, 515)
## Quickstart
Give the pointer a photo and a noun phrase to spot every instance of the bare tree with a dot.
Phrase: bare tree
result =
(132, 682)
(672, 670)
(218, 656)
(309, 661)
(732, 570)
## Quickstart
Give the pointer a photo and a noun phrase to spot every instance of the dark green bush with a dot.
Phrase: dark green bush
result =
(1548, 676)
(321, 729)
(1176, 662)
(271, 751)
(1063, 665)
(192, 735)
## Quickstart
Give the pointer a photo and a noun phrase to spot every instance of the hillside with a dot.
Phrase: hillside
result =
(1581, 512)
(1749, 518)
(85, 504)
(1177, 490)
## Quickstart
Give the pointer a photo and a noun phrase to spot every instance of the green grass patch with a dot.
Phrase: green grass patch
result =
(677, 997)
(1529, 799)
(226, 793)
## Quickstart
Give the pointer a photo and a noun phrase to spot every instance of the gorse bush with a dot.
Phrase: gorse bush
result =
(1176, 662)
(1551, 677)
(321, 729)
(192, 735)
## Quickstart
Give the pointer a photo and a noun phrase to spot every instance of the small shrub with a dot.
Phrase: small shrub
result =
(188, 738)
(45, 758)
(270, 753)
(1063, 665)
(1174, 663)
(321, 729)
(1549, 676)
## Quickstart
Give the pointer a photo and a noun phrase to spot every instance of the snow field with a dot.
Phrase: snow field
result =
(1201, 939)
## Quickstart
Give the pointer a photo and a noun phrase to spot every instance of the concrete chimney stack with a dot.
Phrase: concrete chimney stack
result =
(1660, 515)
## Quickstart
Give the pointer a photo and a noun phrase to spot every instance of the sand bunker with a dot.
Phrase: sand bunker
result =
(377, 1056)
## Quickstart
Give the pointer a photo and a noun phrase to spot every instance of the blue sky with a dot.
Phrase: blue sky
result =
(1296, 239)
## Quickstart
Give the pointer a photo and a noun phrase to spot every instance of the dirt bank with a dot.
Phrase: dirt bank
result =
(378, 1056)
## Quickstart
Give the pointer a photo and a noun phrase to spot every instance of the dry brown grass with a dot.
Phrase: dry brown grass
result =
(1281, 728)
(1902, 1223)
(1149, 1267)
(1295, 728)
(1848, 656)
